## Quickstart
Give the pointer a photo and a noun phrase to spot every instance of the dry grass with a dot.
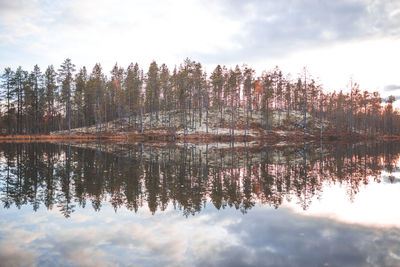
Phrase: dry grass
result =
(49, 138)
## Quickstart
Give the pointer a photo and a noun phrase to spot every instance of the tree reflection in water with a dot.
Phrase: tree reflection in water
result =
(188, 177)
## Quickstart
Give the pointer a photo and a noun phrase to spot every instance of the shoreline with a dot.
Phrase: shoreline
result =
(272, 137)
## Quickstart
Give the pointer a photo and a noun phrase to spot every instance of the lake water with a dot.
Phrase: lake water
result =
(91, 204)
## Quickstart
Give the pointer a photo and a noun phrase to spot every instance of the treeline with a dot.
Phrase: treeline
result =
(61, 99)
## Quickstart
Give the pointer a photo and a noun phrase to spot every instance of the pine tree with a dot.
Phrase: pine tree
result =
(166, 91)
(37, 98)
(66, 79)
(365, 103)
(198, 86)
(233, 84)
(50, 87)
(133, 84)
(288, 97)
(389, 114)
(81, 80)
(173, 81)
(20, 78)
(96, 91)
(29, 104)
(248, 84)
(117, 78)
(152, 96)
(8, 94)
(181, 87)
(217, 82)
(305, 103)
(279, 91)
(267, 96)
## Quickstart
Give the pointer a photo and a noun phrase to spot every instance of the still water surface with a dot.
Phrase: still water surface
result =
(204, 205)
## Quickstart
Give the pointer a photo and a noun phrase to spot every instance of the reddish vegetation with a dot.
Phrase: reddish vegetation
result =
(290, 137)
(389, 138)
(27, 138)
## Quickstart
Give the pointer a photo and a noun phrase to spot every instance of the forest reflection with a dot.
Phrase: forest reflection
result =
(136, 175)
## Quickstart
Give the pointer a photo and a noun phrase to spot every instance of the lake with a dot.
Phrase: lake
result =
(118, 204)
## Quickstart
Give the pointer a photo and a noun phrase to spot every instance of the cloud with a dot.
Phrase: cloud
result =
(315, 33)
(120, 31)
(391, 87)
(210, 31)
(17, 20)
(276, 28)
(12, 255)
(16, 9)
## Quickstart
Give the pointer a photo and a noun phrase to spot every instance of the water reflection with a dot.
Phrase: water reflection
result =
(188, 177)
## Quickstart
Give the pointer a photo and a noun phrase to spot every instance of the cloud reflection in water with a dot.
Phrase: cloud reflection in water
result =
(262, 237)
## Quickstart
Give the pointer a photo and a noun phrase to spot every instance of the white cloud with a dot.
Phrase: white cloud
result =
(16, 20)
(335, 40)
(371, 63)
(13, 255)
(123, 31)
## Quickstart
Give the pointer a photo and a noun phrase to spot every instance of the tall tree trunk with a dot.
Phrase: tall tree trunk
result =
(141, 120)
(207, 118)
(305, 103)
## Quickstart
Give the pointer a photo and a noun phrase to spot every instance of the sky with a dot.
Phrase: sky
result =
(336, 40)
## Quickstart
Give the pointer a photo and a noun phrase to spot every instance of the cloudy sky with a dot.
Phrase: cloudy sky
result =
(336, 40)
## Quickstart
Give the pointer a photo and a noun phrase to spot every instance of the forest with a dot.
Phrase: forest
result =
(64, 98)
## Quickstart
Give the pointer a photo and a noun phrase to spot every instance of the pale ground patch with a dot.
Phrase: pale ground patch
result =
(199, 123)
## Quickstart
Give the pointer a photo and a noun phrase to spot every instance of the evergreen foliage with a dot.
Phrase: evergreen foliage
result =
(36, 102)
